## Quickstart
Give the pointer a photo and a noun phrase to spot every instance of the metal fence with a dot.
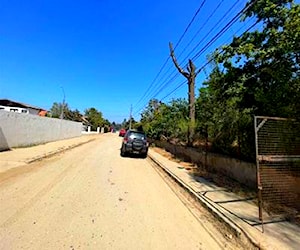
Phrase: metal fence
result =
(278, 164)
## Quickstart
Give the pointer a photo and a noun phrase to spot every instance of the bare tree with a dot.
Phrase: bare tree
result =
(190, 75)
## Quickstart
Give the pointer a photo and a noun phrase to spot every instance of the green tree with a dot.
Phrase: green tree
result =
(167, 121)
(62, 110)
(95, 118)
(262, 67)
(256, 74)
(73, 115)
(58, 110)
(126, 123)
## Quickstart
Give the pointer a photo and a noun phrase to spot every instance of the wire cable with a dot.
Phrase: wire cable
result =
(180, 39)
(202, 26)
(189, 25)
(180, 85)
(213, 40)
(212, 29)
(220, 20)
(223, 30)
(209, 61)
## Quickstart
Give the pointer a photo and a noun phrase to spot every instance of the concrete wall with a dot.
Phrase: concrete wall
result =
(243, 172)
(20, 130)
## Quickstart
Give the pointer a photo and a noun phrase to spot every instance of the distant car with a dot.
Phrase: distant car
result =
(122, 132)
(134, 142)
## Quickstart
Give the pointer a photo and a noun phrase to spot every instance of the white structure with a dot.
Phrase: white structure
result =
(14, 109)
(23, 129)
(18, 107)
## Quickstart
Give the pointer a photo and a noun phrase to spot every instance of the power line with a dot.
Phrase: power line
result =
(165, 84)
(218, 35)
(213, 40)
(214, 11)
(224, 29)
(189, 25)
(220, 20)
(146, 92)
(218, 53)
(180, 85)
(212, 29)
(209, 61)
(206, 36)
(180, 39)
(202, 26)
(158, 91)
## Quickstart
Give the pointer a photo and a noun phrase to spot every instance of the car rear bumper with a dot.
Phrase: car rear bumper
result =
(129, 149)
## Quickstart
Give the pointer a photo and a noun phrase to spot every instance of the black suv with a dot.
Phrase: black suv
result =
(134, 142)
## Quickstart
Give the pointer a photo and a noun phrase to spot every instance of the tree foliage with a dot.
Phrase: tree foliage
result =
(62, 110)
(95, 118)
(257, 73)
(57, 109)
(166, 120)
(92, 117)
(268, 80)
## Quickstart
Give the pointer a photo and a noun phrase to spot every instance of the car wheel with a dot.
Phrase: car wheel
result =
(144, 155)
(123, 153)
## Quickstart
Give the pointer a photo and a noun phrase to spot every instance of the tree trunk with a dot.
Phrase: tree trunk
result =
(191, 82)
(191, 85)
(190, 76)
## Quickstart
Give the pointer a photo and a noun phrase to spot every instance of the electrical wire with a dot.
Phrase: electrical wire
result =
(220, 20)
(214, 11)
(213, 40)
(207, 63)
(180, 39)
(189, 25)
(202, 26)
(180, 85)
(223, 30)
(212, 29)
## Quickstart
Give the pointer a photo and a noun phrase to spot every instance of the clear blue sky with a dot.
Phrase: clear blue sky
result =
(101, 53)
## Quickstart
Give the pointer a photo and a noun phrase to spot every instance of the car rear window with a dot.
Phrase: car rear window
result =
(137, 135)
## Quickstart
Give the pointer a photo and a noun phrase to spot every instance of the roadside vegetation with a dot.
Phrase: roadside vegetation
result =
(91, 117)
(258, 73)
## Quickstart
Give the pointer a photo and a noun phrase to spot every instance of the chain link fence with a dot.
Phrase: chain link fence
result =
(278, 164)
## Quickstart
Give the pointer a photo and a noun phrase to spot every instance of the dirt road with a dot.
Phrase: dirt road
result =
(91, 198)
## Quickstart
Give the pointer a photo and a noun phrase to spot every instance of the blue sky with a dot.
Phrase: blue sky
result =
(104, 54)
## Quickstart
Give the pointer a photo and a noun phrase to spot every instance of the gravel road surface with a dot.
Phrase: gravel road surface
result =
(91, 198)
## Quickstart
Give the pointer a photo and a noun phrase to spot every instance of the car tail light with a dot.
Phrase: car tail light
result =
(125, 140)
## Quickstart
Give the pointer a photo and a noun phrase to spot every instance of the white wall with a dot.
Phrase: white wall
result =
(20, 130)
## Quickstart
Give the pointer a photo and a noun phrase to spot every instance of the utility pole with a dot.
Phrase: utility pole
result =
(130, 116)
(63, 104)
(190, 75)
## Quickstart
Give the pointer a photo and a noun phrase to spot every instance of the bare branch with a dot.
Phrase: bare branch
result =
(185, 74)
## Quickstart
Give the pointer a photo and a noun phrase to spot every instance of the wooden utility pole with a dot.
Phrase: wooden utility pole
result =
(190, 75)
